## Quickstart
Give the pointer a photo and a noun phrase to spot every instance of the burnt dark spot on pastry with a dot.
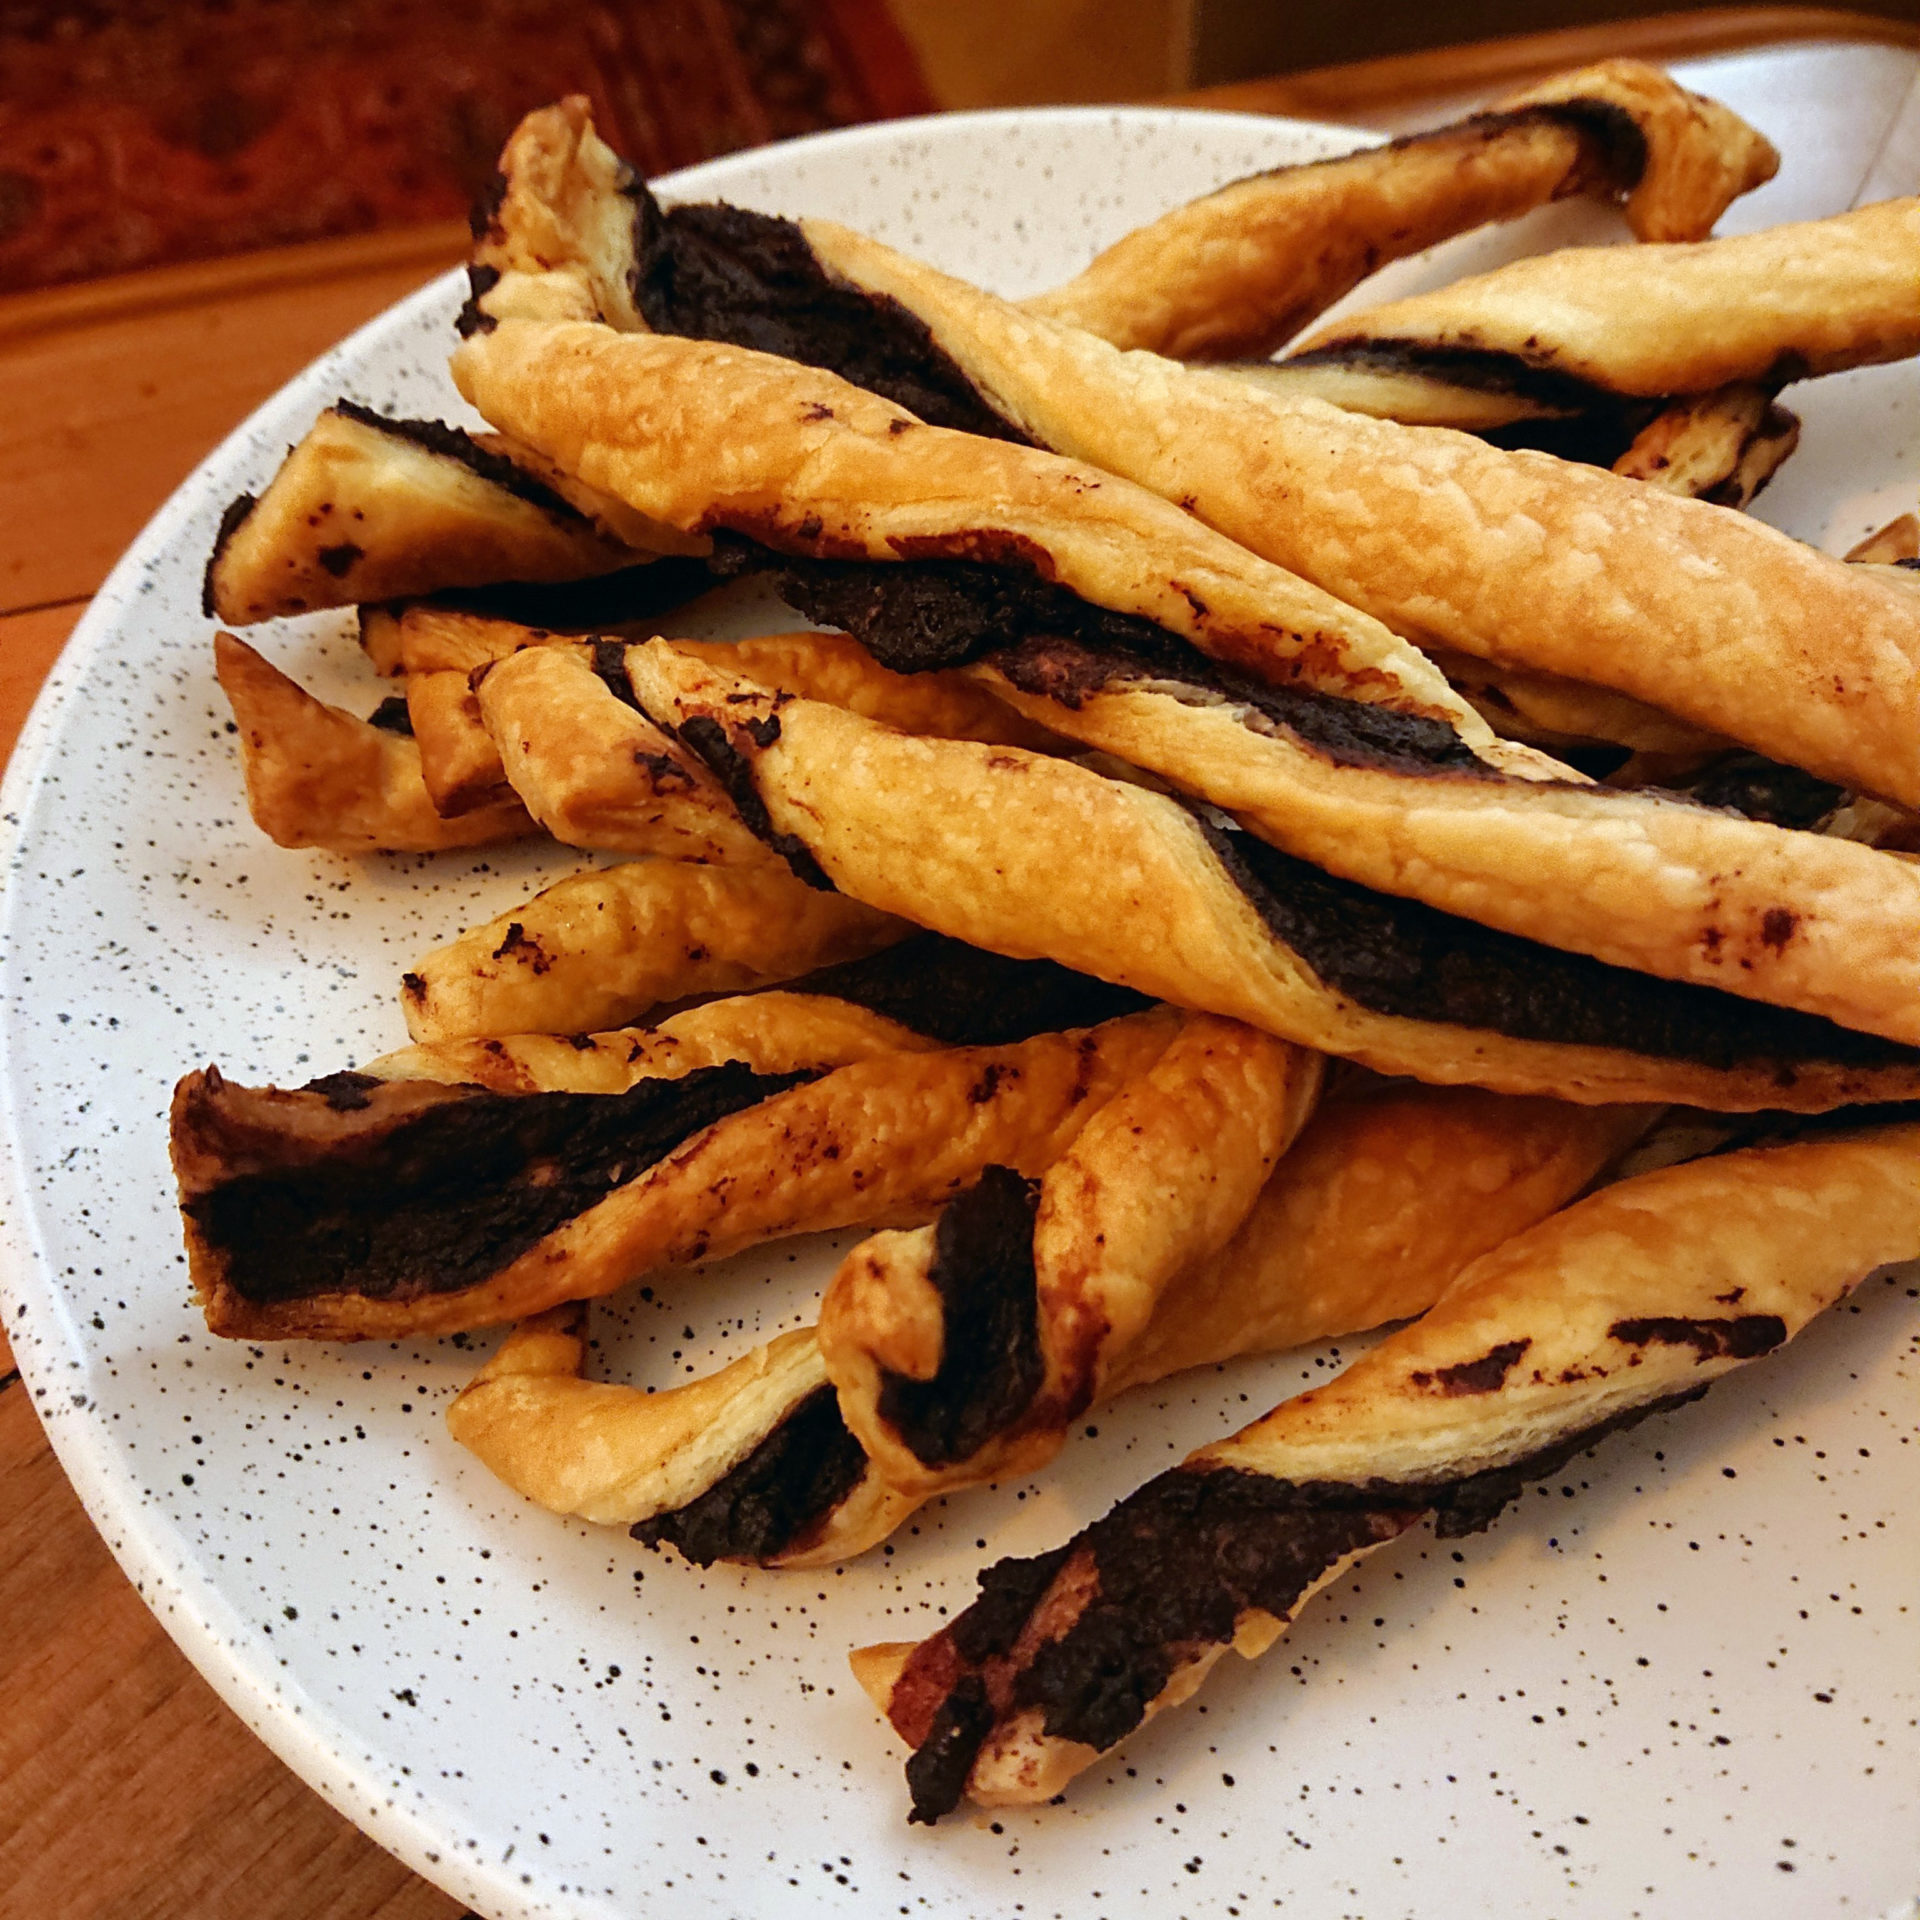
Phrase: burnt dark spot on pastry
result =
(990, 1361)
(1405, 958)
(340, 559)
(964, 996)
(937, 1769)
(610, 664)
(1763, 789)
(1777, 926)
(411, 1194)
(715, 272)
(665, 772)
(486, 206)
(472, 317)
(344, 1092)
(1180, 1562)
(630, 594)
(1488, 1374)
(782, 1493)
(708, 739)
(1743, 1337)
(1349, 732)
(392, 715)
(519, 945)
(413, 985)
(455, 443)
(232, 515)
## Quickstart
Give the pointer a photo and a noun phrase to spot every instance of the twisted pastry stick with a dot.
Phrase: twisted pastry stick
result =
(1025, 854)
(368, 508)
(963, 1351)
(1240, 271)
(1627, 1303)
(1394, 801)
(566, 734)
(362, 1207)
(1782, 304)
(1513, 557)
(1378, 1204)
(318, 776)
(600, 949)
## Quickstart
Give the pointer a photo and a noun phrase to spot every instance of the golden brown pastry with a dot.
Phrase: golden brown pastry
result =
(572, 742)
(1518, 558)
(571, 233)
(1382, 1200)
(368, 508)
(1627, 1303)
(366, 1208)
(1795, 918)
(1784, 303)
(1025, 854)
(319, 777)
(964, 1350)
(713, 436)
(1237, 273)
(601, 948)
(1336, 772)
(561, 729)
(1722, 446)
(752, 1463)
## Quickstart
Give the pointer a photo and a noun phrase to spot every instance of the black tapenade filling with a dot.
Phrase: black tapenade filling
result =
(715, 272)
(1762, 789)
(1177, 1564)
(917, 616)
(1402, 957)
(963, 996)
(990, 1361)
(783, 1490)
(448, 1195)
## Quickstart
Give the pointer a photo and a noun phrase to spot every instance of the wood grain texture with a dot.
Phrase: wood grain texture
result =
(101, 417)
(127, 1791)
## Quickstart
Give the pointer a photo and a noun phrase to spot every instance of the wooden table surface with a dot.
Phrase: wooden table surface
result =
(127, 1790)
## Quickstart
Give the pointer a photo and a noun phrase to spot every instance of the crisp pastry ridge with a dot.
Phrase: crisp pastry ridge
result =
(362, 1207)
(1024, 854)
(1627, 1303)
(1385, 1195)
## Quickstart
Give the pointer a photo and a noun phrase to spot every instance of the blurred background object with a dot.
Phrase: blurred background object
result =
(135, 132)
(138, 133)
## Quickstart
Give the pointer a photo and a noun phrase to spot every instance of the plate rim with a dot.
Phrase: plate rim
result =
(184, 1600)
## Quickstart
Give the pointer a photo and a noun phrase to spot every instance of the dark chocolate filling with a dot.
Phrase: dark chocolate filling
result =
(715, 272)
(775, 1497)
(990, 1361)
(1764, 789)
(1176, 1565)
(708, 739)
(446, 1196)
(455, 443)
(1405, 958)
(1351, 733)
(916, 616)
(963, 996)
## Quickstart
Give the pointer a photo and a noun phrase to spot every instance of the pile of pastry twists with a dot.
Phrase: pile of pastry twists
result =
(1270, 832)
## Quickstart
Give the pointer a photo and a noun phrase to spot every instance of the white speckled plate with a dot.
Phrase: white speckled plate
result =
(1685, 1681)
